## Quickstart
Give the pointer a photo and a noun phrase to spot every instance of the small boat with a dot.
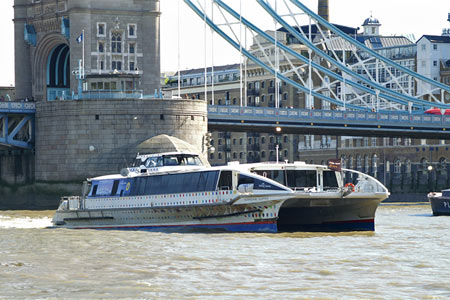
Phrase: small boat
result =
(175, 191)
(326, 198)
(440, 203)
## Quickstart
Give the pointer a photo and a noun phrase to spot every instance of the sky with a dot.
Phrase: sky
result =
(398, 17)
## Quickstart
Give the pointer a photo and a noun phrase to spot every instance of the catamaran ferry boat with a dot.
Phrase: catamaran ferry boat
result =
(175, 190)
(325, 198)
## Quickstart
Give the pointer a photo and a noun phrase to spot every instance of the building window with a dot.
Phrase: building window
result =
(234, 101)
(263, 154)
(116, 65)
(240, 141)
(116, 43)
(241, 155)
(234, 155)
(263, 140)
(435, 46)
(358, 162)
(211, 156)
(434, 63)
(271, 83)
(101, 47)
(263, 83)
(132, 30)
(132, 67)
(220, 156)
(263, 98)
(424, 47)
(285, 96)
(408, 166)
(101, 29)
(132, 48)
(102, 65)
(397, 166)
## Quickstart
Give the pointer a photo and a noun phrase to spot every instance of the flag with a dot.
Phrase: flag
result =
(335, 165)
(80, 38)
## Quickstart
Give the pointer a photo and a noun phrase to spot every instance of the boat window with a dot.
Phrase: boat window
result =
(225, 180)
(170, 161)
(94, 190)
(329, 180)
(152, 162)
(276, 175)
(175, 183)
(115, 187)
(301, 178)
(141, 184)
(104, 188)
(243, 179)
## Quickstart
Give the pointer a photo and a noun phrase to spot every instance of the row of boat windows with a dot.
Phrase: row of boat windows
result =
(300, 178)
(193, 182)
(156, 185)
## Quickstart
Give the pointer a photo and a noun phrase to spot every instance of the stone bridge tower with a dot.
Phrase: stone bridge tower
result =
(117, 33)
(91, 127)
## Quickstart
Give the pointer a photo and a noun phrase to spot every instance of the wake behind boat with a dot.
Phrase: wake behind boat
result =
(175, 190)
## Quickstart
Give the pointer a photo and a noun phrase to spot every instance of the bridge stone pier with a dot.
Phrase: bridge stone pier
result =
(85, 138)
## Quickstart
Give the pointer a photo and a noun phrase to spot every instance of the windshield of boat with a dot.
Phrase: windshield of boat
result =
(170, 160)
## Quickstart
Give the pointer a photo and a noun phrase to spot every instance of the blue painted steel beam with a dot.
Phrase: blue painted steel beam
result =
(396, 96)
(263, 65)
(333, 28)
(8, 139)
(321, 68)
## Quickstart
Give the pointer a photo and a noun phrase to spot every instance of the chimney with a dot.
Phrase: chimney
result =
(324, 11)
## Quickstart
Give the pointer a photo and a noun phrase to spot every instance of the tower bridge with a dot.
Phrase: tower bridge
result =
(339, 80)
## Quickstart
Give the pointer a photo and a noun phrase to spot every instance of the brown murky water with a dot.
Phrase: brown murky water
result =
(407, 257)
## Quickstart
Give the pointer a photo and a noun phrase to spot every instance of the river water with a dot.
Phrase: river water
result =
(407, 257)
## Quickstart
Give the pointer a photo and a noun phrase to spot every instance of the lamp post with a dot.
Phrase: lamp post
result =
(430, 178)
(277, 146)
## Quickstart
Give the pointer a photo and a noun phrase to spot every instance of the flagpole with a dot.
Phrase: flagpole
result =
(82, 39)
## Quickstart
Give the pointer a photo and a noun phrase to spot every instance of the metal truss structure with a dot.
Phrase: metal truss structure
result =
(327, 64)
(17, 124)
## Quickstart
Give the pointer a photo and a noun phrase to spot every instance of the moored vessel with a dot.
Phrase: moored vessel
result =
(440, 203)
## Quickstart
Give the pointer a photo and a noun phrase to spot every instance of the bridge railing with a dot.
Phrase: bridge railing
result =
(337, 116)
(19, 107)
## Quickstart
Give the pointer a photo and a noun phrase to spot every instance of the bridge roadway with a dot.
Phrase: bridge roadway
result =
(264, 119)
(328, 122)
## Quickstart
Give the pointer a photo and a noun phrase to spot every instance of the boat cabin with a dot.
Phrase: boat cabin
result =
(167, 159)
(301, 177)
